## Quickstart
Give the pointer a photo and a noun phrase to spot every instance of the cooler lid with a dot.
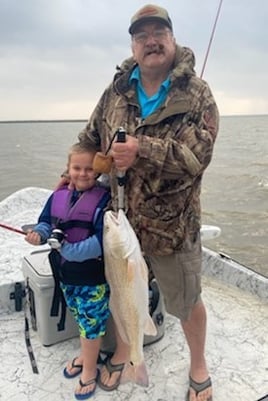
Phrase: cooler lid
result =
(38, 260)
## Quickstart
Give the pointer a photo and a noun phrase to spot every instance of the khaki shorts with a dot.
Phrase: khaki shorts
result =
(179, 278)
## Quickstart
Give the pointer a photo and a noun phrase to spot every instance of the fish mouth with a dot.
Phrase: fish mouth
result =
(111, 224)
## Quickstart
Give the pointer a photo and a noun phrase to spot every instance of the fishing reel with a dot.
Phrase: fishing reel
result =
(56, 238)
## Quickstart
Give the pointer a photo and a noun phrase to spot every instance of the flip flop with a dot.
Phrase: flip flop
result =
(198, 388)
(111, 369)
(89, 394)
(74, 366)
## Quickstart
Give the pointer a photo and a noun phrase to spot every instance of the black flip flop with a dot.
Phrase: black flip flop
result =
(199, 387)
(111, 368)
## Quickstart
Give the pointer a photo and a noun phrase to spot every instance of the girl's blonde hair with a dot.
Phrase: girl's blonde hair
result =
(81, 147)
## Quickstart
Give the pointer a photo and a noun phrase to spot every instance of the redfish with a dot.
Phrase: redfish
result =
(127, 274)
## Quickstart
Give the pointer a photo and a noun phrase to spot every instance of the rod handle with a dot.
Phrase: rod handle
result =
(121, 135)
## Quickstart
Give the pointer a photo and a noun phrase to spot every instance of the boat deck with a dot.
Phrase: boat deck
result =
(237, 346)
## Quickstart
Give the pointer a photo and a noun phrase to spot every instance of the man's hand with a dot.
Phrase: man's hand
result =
(125, 153)
(64, 180)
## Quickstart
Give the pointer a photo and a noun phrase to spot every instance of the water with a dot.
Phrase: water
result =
(235, 190)
(235, 185)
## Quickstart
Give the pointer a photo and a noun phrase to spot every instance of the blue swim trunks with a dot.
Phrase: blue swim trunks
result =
(90, 307)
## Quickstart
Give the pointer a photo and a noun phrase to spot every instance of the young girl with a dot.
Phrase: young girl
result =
(77, 210)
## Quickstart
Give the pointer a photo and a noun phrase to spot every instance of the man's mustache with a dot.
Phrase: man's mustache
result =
(157, 49)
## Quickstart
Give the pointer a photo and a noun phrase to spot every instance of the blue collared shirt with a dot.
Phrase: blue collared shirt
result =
(149, 104)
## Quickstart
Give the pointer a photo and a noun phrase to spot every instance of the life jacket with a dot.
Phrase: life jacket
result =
(77, 224)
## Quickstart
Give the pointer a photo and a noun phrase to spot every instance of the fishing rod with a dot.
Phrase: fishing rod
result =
(15, 230)
(121, 176)
(211, 38)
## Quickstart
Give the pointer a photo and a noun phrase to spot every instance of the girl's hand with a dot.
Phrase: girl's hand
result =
(33, 238)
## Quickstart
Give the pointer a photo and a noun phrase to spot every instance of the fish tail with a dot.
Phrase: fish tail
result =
(136, 373)
(141, 375)
(150, 328)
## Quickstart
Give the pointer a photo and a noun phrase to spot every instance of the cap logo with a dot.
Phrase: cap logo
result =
(150, 12)
(147, 12)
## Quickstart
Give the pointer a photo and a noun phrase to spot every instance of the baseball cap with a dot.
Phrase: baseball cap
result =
(150, 13)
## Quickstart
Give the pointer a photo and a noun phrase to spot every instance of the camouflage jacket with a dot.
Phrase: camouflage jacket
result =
(162, 193)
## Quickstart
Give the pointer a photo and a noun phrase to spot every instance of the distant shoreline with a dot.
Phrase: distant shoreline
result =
(41, 121)
(85, 120)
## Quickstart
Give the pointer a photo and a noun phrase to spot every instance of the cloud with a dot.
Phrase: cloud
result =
(57, 57)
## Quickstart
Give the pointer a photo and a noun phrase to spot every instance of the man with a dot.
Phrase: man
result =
(171, 121)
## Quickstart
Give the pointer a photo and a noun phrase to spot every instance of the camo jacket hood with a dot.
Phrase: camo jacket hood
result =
(162, 191)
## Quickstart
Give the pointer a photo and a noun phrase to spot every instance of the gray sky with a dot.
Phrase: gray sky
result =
(57, 56)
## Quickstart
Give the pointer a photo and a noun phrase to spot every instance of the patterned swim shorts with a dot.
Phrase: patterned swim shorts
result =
(90, 307)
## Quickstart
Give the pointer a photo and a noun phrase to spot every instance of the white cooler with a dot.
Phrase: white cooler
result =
(37, 272)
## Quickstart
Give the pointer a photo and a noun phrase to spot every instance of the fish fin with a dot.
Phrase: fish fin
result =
(135, 373)
(149, 327)
(133, 267)
(130, 271)
(144, 270)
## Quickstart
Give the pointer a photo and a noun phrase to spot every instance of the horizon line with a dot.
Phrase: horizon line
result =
(38, 120)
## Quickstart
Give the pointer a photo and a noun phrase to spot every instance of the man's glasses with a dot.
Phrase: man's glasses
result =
(157, 34)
